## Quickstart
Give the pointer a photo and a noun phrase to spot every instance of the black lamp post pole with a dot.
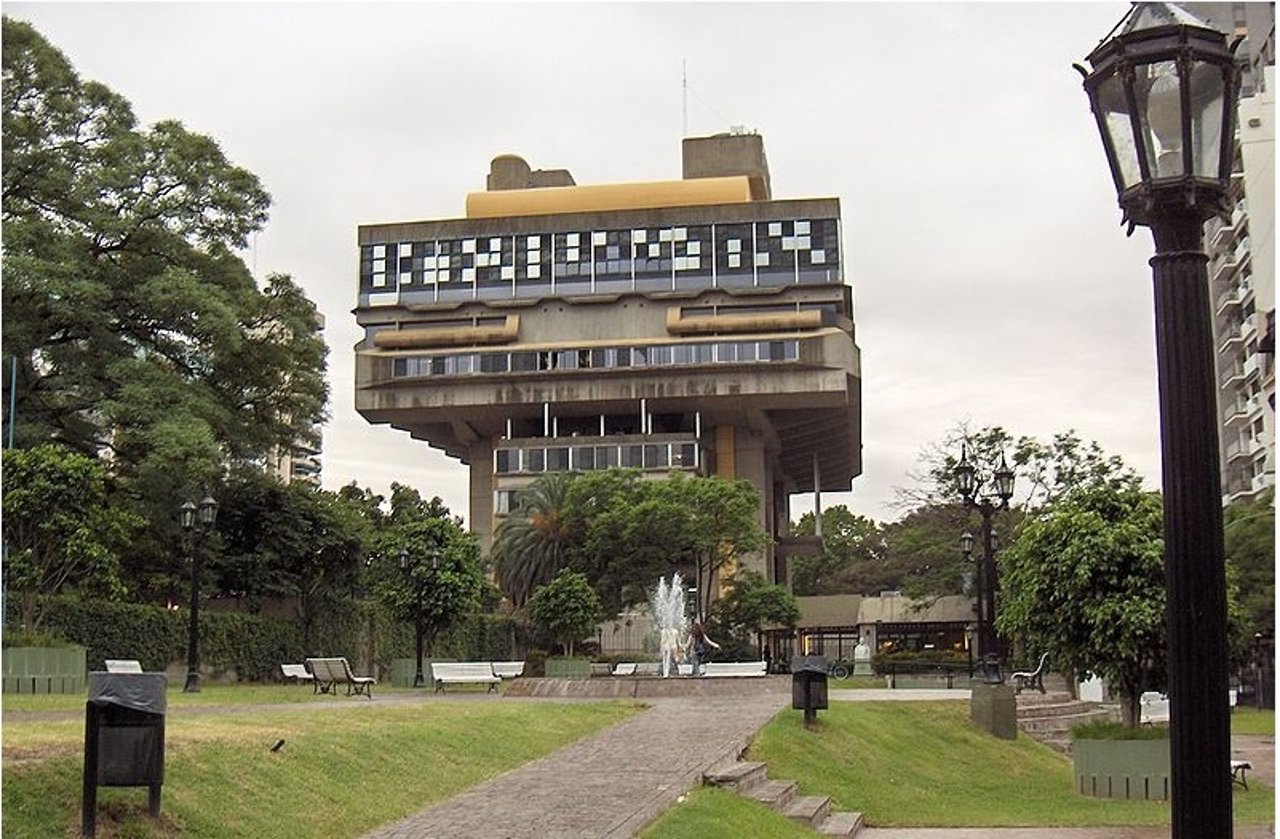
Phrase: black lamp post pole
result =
(419, 680)
(990, 655)
(193, 629)
(1194, 563)
(1163, 88)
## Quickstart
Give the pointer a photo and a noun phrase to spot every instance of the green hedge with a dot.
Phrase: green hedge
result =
(254, 646)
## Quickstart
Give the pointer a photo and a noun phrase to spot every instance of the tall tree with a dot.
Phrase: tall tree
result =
(1250, 540)
(852, 559)
(61, 531)
(529, 547)
(136, 329)
(752, 604)
(567, 609)
(621, 561)
(1084, 582)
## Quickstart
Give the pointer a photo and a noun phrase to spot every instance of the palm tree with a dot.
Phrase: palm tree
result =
(528, 549)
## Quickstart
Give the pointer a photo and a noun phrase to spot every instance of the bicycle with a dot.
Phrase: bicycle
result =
(838, 671)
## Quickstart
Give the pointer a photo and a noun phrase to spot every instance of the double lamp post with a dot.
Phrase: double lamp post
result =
(987, 506)
(1163, 89)
(200, 519)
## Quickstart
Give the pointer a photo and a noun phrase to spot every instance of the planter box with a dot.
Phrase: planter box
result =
(44, 669)
(568, 668)
(1134, 769)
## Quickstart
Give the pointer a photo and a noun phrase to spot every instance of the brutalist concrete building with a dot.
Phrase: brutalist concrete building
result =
(696, 325)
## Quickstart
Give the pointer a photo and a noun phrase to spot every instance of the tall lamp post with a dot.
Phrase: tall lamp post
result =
(419, 591)
(1163, 89)
(189, 516)
(987, 506)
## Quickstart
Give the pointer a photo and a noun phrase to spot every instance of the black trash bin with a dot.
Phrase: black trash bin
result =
(123, 738)
(809, 685)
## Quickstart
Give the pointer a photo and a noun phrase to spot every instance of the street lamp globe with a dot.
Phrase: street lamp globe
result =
(1004, 480)
(966, 544)
(1159, 89)
(187, 515)
(208, 511)
(965, 474)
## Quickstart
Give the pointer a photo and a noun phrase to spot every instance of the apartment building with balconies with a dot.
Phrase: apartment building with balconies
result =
(1242, 285)
(695, 325)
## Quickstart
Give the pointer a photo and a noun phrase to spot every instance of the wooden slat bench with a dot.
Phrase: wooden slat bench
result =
(331, 672)
(508, 669)
(463, 673)
(298, 672)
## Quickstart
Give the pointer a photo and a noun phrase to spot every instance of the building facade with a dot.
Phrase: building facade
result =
(1241, 253)
(694, 325)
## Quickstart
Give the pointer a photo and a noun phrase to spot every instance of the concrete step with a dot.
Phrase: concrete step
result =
(1032, 699)
(809, 810)
(843, 823)
(1063, 722)
(739, 777)
(1053, 709)
(777, 795)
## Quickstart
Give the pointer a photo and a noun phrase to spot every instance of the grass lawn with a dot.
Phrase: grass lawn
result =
(341, 772)
(923, 764)
(1253, 721)
(713, 813)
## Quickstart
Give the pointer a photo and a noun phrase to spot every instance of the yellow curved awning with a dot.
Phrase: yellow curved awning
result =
(604, 197)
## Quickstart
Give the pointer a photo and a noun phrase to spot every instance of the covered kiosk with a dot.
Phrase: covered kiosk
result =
(123, 738)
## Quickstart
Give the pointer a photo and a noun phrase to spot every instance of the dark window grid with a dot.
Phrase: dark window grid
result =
(448, 247)
(491, 276)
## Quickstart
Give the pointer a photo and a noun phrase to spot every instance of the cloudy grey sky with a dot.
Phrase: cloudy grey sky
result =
(992, 280)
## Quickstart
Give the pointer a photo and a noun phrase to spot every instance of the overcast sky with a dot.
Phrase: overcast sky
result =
(992, 280)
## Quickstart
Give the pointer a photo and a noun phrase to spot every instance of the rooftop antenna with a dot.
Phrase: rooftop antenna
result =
(684, 96)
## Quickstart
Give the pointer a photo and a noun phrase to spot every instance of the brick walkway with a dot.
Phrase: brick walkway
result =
(609, 785)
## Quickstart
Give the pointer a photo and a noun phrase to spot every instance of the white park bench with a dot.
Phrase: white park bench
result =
(508, 669)
(298, 672)
(331, 672)
(624, 668)
(463, 673)
(734, 668)
(123, 665)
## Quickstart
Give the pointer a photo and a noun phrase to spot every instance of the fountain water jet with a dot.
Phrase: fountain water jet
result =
(667, 603)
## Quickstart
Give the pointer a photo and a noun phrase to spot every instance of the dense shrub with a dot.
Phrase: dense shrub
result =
(922, 659)
(253, 646)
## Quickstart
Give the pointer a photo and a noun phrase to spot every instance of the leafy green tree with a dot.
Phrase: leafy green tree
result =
(59, 527)
(136, 328)
(1044, 471)
(708, 524)
(752, 603)
(529, 546)
(852, 558)
(441, 581)
(1084, 582)
(1250, 542)
(288, 541)
(621, 561)
(567, 609)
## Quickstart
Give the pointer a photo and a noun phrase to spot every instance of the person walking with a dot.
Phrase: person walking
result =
(697, 646)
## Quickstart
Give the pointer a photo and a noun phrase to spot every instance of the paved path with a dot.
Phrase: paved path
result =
(607, 786)
(1240, 831)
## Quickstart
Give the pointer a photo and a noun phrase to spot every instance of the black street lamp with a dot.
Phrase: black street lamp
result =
(189, 516)
(987, 506)
(1163, 89)
(419, 591)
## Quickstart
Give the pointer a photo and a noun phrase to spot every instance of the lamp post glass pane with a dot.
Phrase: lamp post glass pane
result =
(1207, 95)
(1114, 108)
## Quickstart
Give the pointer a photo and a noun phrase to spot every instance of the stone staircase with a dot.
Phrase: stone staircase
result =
(751, 779)
(1050, 716)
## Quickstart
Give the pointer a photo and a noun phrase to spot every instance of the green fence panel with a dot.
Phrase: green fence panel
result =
(43, 669)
